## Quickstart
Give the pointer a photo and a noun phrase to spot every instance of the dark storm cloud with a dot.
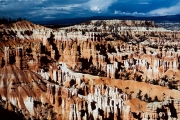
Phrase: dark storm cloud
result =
(52, 9)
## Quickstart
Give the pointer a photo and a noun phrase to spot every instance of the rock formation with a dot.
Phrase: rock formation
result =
(99, 69)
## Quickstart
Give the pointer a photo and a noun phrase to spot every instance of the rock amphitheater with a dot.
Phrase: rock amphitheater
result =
(96, 70)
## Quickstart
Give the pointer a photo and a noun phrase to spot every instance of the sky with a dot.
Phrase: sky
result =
(57, 9)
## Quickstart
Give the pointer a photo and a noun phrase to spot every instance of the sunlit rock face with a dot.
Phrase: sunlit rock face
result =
(108, 69)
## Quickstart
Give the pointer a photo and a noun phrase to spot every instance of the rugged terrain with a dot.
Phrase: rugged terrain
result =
(99, 69)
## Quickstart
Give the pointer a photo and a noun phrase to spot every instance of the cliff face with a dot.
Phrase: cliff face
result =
(109, 69)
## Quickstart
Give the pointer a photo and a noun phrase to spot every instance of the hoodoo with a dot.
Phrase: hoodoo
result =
(100, 69)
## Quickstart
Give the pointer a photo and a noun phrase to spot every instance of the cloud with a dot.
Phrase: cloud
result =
(45, 9)
(38, 8)
(14, 5)
(144, 3)
(49, 17)
(54, 10)
(99, 5)
(63, 7)
(166, 11)
(117, 12)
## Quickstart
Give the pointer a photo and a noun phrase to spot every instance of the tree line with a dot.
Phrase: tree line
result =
(4, 20)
